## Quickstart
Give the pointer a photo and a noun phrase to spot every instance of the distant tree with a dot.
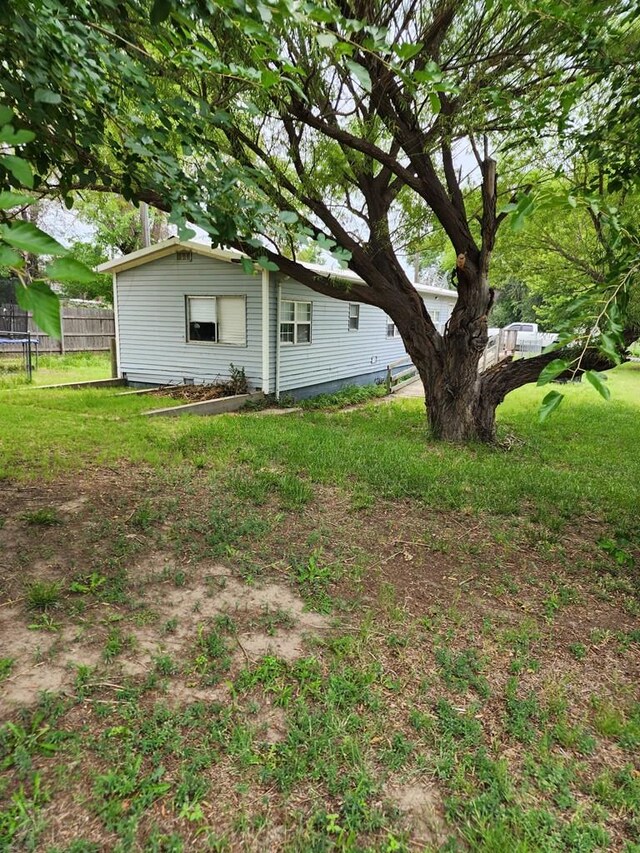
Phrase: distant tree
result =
(514, 303)
(116, 223)
(89, 254)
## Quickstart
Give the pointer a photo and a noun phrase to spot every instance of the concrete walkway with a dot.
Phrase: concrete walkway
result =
(413, 389)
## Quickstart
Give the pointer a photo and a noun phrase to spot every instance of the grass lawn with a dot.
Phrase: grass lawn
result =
(319, 631)
(55, 369)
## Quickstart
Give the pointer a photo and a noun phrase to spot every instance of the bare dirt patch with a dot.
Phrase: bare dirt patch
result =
(422, 806)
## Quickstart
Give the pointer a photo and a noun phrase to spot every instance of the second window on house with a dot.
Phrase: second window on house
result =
(217, 320)
(354, 316)
(295, 322)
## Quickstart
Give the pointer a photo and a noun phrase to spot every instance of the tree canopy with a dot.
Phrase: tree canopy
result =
(354, 126)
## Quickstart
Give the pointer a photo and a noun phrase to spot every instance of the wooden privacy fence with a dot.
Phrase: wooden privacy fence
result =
(84, 329)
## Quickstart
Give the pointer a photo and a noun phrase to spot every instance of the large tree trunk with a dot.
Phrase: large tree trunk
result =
(460, 407)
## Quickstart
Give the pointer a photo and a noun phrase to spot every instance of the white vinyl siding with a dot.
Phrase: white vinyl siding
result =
(151, 321)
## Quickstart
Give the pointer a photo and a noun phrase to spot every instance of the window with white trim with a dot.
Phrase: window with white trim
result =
(392, 331)
(354, 316)
(295, 322)
(217, 320)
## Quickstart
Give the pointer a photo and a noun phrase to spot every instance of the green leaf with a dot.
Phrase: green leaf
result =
(19, 168)
(549, 404)
(361, 73)
(46, 96)
(28, 238)
(435, 103)
(326, 39)
(247, 265)
(160, 11)
(552, 370)
(10, 199)
(407, 51)
(6, 115)
(598, 381)
(15, 137)
(9, 257)
(266, 264)
(69, 269)
(43, 303)
(607, 345)
(288, 216)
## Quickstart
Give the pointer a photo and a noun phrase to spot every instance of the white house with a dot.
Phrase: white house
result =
(186, 312)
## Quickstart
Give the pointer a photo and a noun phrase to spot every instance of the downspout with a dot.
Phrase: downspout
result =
(116, 321)
(266, 329)
(277, 389)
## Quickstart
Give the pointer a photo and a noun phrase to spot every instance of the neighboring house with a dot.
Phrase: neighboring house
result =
(185, 312)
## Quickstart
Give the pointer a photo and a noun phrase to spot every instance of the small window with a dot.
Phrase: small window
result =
(295, 322)
(392, 332)
(354, 317)
(202, 318)
(217, 319)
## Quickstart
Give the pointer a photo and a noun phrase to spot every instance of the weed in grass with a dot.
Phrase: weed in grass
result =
(21, 823)
(578, 650)
(225, 529)
(397, 754)
(20, 744)
(170, 626)
(621, 725)
(165, 665)
(224, 622)
(553, 775)
(462, 670)
(213, 658)
(191, 790)
(6, 666)
(619, 790)
(522, 713)
(179, 578)
(313, 578)
(273, 618)
(91, 583)
(626, 639)
(43, 595)
(161, 842)
(561, 596)
(520, 640)
(145, 516)
(618, 548)
(116, 643)
(43, 517)
(124, 793)
(361, 499)
(83, 678)
(44, 622)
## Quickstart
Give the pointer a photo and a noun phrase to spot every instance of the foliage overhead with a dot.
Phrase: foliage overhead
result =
(351, 126)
